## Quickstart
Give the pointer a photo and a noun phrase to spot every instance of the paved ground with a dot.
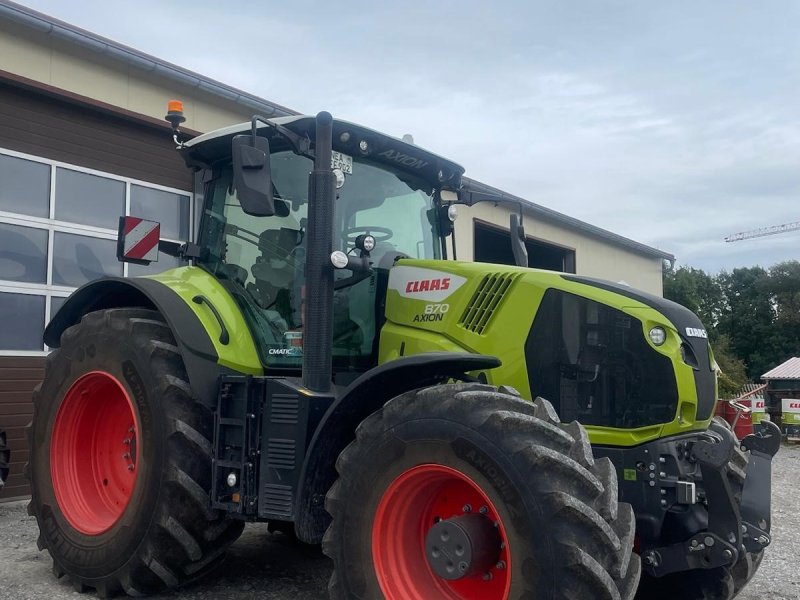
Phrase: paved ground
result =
(264, 566)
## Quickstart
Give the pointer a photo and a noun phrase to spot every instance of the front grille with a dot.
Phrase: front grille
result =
(485, 301)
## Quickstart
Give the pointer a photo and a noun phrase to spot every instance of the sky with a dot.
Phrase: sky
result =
(672, 123)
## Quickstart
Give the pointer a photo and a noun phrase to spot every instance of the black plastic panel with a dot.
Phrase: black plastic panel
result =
(593, 363)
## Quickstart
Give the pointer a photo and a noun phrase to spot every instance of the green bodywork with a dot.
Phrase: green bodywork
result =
(415, 326)
(240, 354)
(407, 332)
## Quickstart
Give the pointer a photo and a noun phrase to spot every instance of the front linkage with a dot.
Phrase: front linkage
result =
(735, 521)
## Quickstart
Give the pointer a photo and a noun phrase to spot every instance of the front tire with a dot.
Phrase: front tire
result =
(120, 462)
(475, 474)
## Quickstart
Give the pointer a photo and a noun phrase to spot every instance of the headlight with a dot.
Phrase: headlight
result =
(657, 335)
(452, 213)
(338, 259)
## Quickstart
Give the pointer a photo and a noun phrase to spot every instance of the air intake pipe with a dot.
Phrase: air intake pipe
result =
(318, 323)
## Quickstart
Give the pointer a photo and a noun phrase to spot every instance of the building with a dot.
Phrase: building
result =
(83, 141)
(783, 396)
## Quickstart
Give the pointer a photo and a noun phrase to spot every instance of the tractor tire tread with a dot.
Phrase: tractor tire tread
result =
(573, 492)
(186, 537)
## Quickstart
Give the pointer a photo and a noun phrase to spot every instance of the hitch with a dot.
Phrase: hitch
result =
(757, 492)
(719, 544)
(733, 526)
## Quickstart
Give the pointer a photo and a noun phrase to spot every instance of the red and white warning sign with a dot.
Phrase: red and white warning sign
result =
(138, 239)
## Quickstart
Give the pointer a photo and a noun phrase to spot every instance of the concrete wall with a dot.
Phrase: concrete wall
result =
(62, 65)
(594, 257)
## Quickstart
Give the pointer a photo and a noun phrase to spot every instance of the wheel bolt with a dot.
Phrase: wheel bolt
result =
(483, 510)
(127, 441)
(466, 508)
(500, 564)
(130, 467)
(126, 456)
(487, 576)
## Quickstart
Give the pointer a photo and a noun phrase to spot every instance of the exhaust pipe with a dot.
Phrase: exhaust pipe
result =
(318, 323)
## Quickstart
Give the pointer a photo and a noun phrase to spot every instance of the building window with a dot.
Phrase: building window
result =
(88, 199)
(24, 186)
(58, 230)
(23, 254)
(22, 316)
(78, 259)
(171, 210)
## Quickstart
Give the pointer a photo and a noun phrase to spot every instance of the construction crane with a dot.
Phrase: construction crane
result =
(762, 231)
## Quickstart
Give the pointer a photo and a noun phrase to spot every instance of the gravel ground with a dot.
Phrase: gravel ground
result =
(268, 566)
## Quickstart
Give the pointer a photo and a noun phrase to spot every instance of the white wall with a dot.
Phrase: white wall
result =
(594, 257)
(55, 62)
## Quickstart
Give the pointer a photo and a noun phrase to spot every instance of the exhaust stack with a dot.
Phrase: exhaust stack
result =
(318, 335)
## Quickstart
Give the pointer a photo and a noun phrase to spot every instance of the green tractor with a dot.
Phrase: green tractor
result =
(445, 429)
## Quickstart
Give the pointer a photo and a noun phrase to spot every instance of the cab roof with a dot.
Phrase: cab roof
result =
(382, 148)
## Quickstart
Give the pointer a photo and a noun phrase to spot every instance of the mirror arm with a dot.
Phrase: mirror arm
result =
(184, 250)
(301, 145)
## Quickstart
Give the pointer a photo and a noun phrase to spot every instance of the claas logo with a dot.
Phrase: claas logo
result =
(794, 404)
(427, 285)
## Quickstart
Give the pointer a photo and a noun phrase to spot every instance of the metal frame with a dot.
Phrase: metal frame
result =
(53, 225)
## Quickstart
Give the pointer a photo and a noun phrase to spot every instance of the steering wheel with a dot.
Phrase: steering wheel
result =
(381, 234)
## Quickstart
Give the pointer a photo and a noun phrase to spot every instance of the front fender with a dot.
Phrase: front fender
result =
(194, 327)
(363, 397)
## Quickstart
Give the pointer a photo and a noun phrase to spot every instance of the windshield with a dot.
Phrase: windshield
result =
(262, 259)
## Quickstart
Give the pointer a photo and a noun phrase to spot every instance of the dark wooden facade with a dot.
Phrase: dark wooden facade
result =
(38, 121)
(18, 377)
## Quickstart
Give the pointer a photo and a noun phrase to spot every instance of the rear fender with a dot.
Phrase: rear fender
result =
(364, 396)
(198, 351)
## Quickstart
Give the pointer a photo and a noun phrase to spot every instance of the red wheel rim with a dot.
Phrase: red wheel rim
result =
(94, 450)
(411, 505)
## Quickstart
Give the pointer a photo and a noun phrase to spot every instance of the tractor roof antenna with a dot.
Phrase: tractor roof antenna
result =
(175, 118)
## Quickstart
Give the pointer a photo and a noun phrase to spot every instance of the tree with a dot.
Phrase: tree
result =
(697, 291)
(748, 316)
(732, 371)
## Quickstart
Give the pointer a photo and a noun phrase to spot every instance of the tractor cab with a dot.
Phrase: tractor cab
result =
(387, 205)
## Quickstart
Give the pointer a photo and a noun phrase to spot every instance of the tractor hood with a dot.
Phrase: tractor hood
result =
(582, 343)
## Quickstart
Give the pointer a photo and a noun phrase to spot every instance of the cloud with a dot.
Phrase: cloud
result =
(674, 123)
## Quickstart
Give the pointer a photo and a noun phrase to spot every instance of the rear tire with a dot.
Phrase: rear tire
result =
(719, 583)
(431, 456)
(145, 525)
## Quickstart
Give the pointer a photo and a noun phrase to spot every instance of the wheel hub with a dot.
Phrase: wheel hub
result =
(94, 450)
(427, 542)
(462, 546)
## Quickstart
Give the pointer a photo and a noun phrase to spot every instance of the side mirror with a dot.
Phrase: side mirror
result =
(137, 240)
(252, 178)
(518, 241)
